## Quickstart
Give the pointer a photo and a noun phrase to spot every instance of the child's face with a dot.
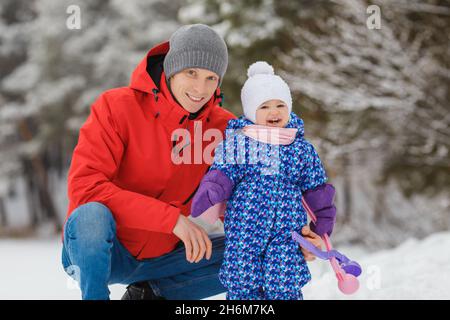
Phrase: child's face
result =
(272, 113)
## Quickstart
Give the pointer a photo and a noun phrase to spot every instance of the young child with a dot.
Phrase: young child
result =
(263, 207)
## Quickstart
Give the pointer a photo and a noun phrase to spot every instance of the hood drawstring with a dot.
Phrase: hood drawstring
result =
(155, 93)
(174, 142)
(191, 116)
(222, 98)
(182, 119)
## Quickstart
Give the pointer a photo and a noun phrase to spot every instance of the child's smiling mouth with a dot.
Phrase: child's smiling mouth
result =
(274, 122)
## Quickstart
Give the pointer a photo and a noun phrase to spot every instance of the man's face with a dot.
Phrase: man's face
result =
(193, 87)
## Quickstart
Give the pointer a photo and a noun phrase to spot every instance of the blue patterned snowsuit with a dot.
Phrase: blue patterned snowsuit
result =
(261, 261)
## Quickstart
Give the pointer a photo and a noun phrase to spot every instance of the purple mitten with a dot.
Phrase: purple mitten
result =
(326, 218)
(320, 200)
(214, 188)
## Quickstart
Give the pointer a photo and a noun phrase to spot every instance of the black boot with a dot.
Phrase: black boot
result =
(140, 291)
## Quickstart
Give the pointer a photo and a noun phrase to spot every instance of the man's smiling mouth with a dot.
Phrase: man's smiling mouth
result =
(194, 98)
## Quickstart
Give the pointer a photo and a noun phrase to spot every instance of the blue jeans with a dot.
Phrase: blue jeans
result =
(93, 256)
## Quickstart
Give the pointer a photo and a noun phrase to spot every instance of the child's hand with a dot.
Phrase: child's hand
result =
(314, 239)
(214, 188)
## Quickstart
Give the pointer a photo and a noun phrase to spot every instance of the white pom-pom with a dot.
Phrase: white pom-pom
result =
(260, 67)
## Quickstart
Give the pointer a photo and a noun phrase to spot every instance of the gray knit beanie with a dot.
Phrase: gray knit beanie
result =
(196, 46)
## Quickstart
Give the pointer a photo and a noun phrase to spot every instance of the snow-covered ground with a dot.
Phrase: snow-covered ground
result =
(417, 269)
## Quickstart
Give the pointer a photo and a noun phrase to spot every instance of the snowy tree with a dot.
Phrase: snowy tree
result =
(48, 93)
(375, 101)
(15, 20)
(250, 29)
(385, 95)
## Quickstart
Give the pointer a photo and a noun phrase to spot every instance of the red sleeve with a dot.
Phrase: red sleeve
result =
(95, 162)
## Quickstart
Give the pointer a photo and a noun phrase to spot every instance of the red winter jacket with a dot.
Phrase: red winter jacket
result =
(123, 158)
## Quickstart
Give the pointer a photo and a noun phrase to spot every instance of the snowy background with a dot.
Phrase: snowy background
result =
(374, 94)
(417, 269)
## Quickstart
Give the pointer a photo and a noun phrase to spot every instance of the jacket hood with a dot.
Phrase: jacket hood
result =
(144, 80)
(294, 122)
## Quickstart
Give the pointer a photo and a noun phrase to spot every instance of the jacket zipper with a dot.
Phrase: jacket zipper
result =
(187, 125)
(193, 193)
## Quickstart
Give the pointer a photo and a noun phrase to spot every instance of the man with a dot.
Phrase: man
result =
(129, 200)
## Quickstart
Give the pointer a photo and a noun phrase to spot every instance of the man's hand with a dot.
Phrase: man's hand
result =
(314, 239)
(195, 239)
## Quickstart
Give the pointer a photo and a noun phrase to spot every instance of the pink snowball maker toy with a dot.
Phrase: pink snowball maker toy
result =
(345, 269)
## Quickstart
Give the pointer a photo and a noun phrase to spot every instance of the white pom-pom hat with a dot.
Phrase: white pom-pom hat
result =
(263, 85)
